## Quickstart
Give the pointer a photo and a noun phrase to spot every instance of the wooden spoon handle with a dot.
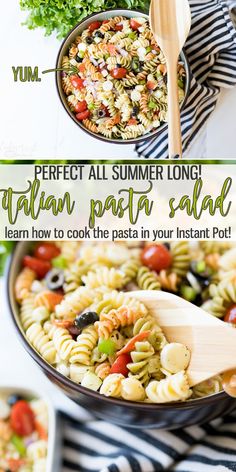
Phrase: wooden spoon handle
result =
(175, 138)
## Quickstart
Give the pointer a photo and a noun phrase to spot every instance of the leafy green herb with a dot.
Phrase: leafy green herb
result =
(62, 15)
(6, 248)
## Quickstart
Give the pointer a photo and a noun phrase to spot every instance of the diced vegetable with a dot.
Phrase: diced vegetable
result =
(130, 346)
(107, 346)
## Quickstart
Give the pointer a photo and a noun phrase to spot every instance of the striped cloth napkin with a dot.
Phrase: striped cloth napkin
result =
(211, 51)
(93, 445)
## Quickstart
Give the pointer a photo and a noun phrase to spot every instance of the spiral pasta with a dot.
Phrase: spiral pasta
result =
(111, 62)
(147, 280)
(139, 365)
(41, 342)
(180, 258)
(82, 349)
(105, 339)
(23, 283)
(172, 388)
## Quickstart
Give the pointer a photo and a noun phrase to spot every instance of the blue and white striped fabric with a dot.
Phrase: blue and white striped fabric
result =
(211, 51)
(95, 445)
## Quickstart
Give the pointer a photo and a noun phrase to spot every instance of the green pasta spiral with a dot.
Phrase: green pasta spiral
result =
(147, 280)
(138, 368)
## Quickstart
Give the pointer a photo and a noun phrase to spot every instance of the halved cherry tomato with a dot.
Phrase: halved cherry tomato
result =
(63, 323)
(22, 418)
(119, 72)
(46, 251)
(156, 257)
(41, 431)
(83, 115)
(151, 85)
(132, 121)
(81, 106)
(105, 22)
(130, 346)
(134, 24)
(230, 316)
(37, 265)
(120, 365)
(15, 464)
(77, 82)
(94, 25)
(118, 27)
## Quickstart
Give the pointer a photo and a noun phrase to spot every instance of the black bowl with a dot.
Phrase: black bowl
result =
(121, 412)
(64, 49)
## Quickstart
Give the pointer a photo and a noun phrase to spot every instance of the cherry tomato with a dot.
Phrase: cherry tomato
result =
(134, 24)
(120, 365)
(22, 419)
(230, 316)
(94, 25)
(151, 85)
(119, 73)
(81, 106)
(132, 121)
(77, 82)
(118, 27)
(83, 115)
(156, 257)
(130, 346)
(46, 251)
(105, 22)
(37, 265)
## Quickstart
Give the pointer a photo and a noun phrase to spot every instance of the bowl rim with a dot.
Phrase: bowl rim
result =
(98, 136)
(76, 388)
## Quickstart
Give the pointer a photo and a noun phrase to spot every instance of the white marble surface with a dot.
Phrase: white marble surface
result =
(34, 124)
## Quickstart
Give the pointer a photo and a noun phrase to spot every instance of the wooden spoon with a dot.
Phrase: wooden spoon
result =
(170, 22)
(212, 342)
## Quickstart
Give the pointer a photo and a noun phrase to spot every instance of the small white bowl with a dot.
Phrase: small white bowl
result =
(54, 438)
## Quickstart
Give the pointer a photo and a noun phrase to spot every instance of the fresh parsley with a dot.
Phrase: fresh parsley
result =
(61, 16)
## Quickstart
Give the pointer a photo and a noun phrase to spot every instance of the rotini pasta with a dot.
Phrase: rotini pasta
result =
(82, 323)
(106, 63)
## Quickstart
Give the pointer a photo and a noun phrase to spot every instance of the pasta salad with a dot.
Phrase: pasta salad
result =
(75, 311)
(115, 79)
(23, 434)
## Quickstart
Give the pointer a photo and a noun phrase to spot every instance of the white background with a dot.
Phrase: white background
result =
(34, 123)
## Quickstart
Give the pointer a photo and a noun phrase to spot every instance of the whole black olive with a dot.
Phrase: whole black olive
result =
(99, 34)
(101, 113)
(55, 279)
(14, 398)
(89, 40)
(86, 319)
(78, 59)
(135, 110)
